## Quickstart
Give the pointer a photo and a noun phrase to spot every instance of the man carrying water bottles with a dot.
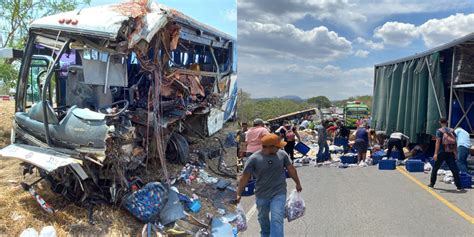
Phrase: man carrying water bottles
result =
(268, 167)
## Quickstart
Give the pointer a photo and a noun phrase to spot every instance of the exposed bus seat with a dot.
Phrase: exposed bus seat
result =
(79, 128)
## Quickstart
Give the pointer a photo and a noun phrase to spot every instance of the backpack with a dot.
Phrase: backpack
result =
(448, 140)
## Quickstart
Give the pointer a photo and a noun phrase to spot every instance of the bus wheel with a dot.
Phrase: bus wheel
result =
(177, 149)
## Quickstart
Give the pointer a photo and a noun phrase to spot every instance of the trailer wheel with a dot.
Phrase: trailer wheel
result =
(177, 149)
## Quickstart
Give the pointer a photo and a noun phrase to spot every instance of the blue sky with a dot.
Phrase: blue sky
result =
(328, 47)
(221, 14)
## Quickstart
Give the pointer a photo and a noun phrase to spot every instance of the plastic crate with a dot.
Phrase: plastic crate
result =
(387, 165)
(352, 159)
(415, 166)
(376, 159)
(323, 157)
(249, 190)
(466, 180)
(422, 157)
(302, 148)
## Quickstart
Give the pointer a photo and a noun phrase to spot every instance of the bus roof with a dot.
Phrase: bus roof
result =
(107, 21)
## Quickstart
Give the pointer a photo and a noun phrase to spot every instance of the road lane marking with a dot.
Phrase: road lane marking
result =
(437, 196)
(251, 212)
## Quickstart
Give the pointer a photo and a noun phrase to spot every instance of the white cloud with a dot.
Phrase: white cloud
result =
(369, 43)
(230, 14)
(287, 11)
(434, 32)
(361, 53)
(284, 11)
(289, 41)
(439, 31)
(397, 33)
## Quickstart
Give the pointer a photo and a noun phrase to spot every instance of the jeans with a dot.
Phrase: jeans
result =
(324, 146)
(451, 161)
(394, 142)
(463, 153)
(276, 208)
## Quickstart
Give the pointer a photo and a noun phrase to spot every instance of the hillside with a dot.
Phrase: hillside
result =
(365, 99)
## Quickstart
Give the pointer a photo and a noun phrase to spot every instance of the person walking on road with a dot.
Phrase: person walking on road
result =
(396, 140)
(361, 143)
(254, 136)
(445, 151)
(289, 133)
(323, 141)
(268, 167)
(464, 148)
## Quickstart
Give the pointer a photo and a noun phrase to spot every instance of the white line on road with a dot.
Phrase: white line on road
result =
(252, 211)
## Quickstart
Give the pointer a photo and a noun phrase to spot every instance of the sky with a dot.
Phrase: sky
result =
(329, 47)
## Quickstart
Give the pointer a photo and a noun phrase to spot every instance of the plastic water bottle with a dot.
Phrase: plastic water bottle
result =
(235, 231)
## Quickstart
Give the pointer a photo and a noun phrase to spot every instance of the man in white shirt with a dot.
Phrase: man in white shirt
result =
(304, 124)
(396, 140)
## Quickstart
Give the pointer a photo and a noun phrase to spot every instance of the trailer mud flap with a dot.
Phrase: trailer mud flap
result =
(43, 158)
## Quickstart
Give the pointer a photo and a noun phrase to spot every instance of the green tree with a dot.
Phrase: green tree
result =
(249, 109)
(321, 101)
(15, 18)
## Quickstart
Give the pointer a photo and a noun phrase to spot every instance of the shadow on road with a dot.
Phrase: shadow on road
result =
(450, 190)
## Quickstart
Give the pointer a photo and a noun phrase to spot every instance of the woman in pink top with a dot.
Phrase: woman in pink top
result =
(254, 136)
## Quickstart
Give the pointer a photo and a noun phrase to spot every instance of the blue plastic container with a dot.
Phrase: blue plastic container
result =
(415, 166)
(195, 206)
(387, 165)
(466, 180)
(376, 159)
(249, 190)
(349, 159)
(302, 148)
(421, 157)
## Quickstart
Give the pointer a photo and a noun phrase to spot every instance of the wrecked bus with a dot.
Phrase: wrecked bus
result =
(104, 91)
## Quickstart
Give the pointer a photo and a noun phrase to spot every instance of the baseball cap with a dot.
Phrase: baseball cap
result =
(257, 122)
(273, 140)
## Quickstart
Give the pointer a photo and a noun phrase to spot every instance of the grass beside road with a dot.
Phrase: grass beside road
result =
(7, 109)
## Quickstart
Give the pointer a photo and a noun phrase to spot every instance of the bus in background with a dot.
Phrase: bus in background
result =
(353, 111)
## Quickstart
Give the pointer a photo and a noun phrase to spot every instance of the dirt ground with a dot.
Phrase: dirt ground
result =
(18, 210)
